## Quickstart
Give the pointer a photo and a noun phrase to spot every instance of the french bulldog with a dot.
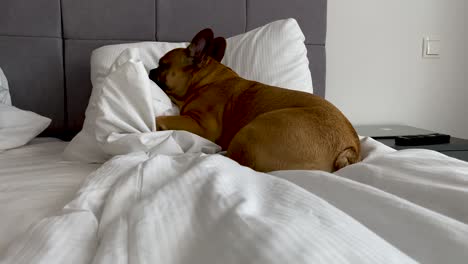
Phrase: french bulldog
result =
(263, 127)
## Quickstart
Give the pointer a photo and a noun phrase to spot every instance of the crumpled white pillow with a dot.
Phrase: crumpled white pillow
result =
(123, 117)
(18, 127)
(274, 54)
(87, 146)
(4, 91)
(126, 114)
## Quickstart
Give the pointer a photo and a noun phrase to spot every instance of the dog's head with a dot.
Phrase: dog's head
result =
(178, 67)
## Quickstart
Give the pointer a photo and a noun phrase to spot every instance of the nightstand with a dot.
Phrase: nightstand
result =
(457, 148)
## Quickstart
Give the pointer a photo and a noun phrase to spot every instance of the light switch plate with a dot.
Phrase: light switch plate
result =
(431, 48)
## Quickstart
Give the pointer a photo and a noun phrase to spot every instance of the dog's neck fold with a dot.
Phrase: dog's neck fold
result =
(211, 71)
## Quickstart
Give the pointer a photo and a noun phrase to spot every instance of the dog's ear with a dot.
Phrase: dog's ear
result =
(200, 43)
(217, 48)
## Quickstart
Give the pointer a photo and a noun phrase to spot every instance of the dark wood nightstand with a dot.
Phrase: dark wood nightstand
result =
(457, 148)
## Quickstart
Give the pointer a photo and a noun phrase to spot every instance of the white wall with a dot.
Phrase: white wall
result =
(375, 70)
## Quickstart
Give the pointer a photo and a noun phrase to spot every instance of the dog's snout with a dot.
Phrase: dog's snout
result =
(153, 73)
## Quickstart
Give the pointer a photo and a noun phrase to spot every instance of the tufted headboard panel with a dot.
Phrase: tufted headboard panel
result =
(45, 45)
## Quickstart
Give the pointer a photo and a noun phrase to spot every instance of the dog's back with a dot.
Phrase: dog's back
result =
(272, 128)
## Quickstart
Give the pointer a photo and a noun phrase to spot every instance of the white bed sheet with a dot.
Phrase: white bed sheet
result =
(35, 182)
(393, 207)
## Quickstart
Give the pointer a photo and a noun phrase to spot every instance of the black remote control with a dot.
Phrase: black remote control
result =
(419, 140)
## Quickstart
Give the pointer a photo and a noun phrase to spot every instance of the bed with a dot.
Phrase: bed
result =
(35, 182)
(171, 197)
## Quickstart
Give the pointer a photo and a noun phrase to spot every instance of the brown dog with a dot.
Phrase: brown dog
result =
(264, 127)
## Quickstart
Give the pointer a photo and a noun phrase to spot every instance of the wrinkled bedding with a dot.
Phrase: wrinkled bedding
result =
(35, 182)
(145, 207)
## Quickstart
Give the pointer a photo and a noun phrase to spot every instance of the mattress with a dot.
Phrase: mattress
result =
(35, 182)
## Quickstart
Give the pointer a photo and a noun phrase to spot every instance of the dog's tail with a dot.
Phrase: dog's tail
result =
(346, 157)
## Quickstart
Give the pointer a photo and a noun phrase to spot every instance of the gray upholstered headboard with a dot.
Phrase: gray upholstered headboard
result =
(45, 45)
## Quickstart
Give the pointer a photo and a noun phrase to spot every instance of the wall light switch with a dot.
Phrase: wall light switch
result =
(431, 47)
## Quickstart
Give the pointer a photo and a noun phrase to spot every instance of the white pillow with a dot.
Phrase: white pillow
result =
(18, 127)
(85, 146)
(274, 54)
(123, 116)
(4, 92)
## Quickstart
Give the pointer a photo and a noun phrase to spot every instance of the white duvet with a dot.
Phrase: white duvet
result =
(34, 182)
(161, 200)
(198, 208)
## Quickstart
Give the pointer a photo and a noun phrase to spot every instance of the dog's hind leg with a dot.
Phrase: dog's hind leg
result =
(275, 141)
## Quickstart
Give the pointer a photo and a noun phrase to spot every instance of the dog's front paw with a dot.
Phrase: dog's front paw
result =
(160, 125)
